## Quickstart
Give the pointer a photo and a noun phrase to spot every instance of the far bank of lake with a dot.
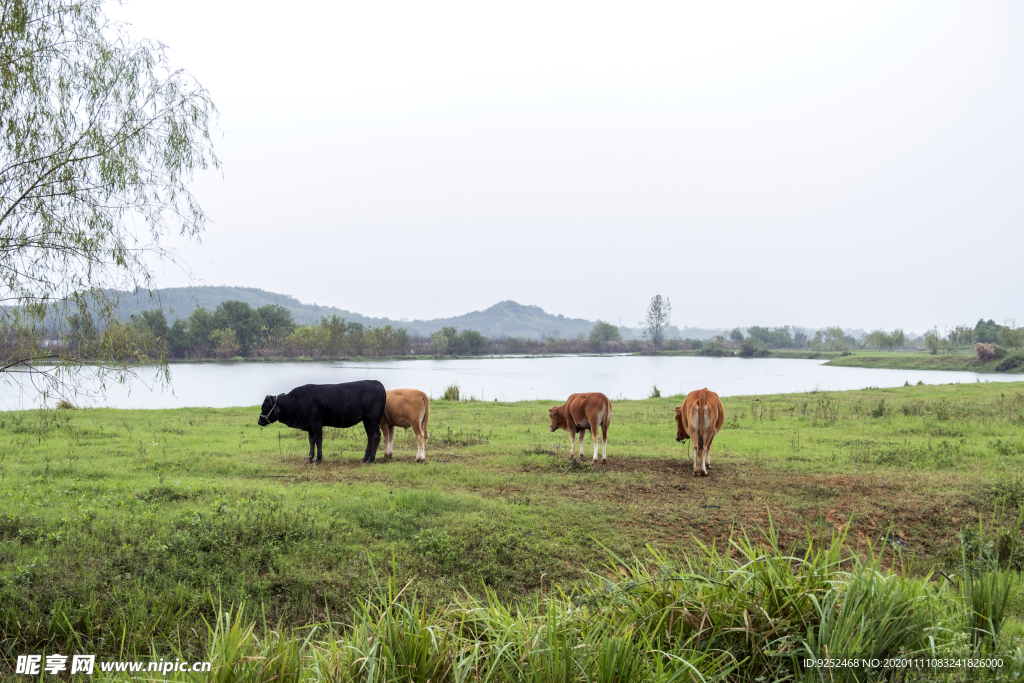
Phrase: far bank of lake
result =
(960, 360)
(221, 385)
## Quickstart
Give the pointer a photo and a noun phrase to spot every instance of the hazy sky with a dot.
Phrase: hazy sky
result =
(758, 163)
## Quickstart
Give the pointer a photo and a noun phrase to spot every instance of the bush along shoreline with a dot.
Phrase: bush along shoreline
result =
(235, 331)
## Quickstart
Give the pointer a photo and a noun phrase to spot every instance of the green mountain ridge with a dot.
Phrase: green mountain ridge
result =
(503, 319)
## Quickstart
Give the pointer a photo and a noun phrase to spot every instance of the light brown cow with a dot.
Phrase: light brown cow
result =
(580, 413)
(699, 419)
(406, 408)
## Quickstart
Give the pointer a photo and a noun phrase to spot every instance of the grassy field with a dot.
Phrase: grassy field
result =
(123, 530)
(920, 360)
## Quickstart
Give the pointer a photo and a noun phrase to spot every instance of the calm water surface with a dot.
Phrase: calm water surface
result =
(505, 379)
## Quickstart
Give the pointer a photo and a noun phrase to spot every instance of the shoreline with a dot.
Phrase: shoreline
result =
(871, 360)
(895, 360)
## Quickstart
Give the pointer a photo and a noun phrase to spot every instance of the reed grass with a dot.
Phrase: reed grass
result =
(750, 612)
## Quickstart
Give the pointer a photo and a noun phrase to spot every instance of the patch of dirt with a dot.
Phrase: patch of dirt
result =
(351, 468)
(658, 500)
(677, 506)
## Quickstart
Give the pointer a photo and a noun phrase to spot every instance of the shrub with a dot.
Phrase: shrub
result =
(1010, 363)
(655, 392)
(309, 340)
(714, 348)
(473, 342)
(880, 410)
(225, 343)
(603, 332)
(987, 352)
(451, 393)
(752, 348)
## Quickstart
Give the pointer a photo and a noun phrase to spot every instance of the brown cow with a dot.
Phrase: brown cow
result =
(580, 413)
(406, 408)
(699, 419)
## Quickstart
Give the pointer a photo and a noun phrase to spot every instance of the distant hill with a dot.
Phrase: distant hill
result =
(509, 319)
(179, 302)
(503, 319)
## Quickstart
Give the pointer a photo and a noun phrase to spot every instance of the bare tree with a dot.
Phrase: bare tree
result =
(659, 316)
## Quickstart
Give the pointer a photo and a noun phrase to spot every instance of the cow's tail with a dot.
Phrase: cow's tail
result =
(702, 404)
(423, 420)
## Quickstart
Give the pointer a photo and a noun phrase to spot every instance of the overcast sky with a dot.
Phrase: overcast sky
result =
(759, 163)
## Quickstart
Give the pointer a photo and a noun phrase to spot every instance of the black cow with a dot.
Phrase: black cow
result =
(312, 407)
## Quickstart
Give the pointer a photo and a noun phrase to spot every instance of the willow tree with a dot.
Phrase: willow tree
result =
(98, 139)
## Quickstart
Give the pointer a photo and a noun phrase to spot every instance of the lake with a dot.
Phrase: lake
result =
(219, 385)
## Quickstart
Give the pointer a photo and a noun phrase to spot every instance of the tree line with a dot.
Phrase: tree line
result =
(988, 337)
(234, 329)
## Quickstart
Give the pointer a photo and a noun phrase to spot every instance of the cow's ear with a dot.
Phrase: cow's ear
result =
(678, 411)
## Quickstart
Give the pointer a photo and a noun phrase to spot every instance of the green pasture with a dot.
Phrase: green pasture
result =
(125, 529)
(961, 359)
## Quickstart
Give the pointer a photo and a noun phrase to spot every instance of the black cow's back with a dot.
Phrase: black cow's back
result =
(334, 405)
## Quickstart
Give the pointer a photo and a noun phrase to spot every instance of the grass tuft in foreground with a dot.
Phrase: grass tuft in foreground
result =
(747, 612)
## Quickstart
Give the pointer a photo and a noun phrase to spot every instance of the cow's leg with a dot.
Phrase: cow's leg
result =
(704, 459)
(421, 442)
(604, 439)
(384, 435)
(372, 439)
(594, 418)
(387, 431)
(319, 434)
(696, 458)
(312, 444)
(572, 442)
(707, 452)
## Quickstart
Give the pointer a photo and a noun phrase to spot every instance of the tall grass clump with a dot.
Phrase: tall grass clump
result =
(748, 612)
(991, 560)
(987, 352)
(451, 393)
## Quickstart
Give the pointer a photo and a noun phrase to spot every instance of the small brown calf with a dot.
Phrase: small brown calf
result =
(580, 413)
(406, 408)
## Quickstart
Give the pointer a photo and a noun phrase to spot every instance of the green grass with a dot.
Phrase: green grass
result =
(773, 353)
(122, 531)
(919, 360)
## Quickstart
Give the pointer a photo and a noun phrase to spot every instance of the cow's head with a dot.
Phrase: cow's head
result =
(558, 418)
(681, 434)
(268, 411)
